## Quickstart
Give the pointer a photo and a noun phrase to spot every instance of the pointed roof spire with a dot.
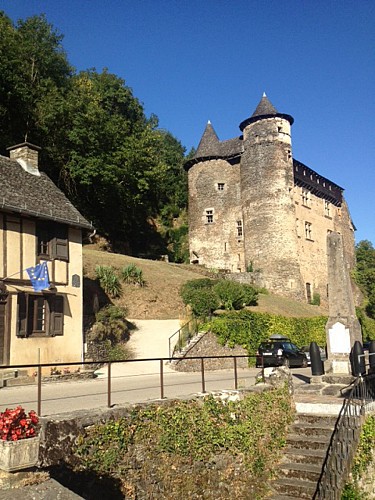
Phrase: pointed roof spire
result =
(209, 143)
(265, 109)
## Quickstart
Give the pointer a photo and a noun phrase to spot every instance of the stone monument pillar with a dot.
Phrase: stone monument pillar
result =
(342, 327)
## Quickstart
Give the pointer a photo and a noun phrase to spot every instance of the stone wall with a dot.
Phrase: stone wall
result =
(264, 190)
(215, 244)
(209, 346)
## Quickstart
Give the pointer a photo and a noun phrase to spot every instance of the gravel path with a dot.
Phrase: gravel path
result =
(149, 340)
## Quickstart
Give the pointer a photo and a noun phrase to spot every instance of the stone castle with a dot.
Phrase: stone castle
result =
(260, 214)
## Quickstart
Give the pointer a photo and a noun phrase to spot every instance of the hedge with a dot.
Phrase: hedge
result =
(248, 329)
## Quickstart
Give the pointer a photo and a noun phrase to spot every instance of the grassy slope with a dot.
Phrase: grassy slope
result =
(160, 298)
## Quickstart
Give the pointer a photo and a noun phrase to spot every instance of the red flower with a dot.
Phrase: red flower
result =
(15, 424)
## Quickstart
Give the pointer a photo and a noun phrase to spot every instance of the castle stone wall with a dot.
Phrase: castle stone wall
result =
(285, 209)
(214, 186)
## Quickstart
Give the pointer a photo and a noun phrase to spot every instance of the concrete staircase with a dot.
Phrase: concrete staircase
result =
(307, 443)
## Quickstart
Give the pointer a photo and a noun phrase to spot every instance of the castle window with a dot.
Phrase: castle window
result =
(305, 197)
(327, 208)
(220, 186)
(239, 229)
(308, 292)
(308, 230)
(209, 216)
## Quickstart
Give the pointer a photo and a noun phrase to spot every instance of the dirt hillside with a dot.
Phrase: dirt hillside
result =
(160, 298)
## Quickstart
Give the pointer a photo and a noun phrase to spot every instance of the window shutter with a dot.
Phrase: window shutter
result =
(56, 305)
(22, 315)
(60, 247)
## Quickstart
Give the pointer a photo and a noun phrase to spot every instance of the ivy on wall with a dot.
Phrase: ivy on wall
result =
(248, 329)
(184, 449)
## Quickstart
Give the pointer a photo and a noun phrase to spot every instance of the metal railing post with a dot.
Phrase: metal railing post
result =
(109, 385)
(39, 390)
(161, 380)
(202, 373)
(235, 373)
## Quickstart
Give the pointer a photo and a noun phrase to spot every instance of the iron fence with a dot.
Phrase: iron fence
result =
(39, 368)
(181, 338)
(345, 438)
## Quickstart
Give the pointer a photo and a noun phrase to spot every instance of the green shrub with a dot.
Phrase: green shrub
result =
(316, 299)
(108, 280)
(110, 325)
(118, 352)
(231, 294)
(133, 275)
(367, 325)
(363, 460)
(203, 302)
(250, 295)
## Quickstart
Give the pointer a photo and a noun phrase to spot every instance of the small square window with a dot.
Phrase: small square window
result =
(220, 186)
(209, 216)
(239, 229)
(327, 208)
(308, 230)
(306, 199)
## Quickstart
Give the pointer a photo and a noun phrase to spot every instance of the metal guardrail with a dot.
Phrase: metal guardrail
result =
(345, 439)
(185, 333)
(39, 367)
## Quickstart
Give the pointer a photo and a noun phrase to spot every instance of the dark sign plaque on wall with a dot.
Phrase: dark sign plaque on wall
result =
(76, 281)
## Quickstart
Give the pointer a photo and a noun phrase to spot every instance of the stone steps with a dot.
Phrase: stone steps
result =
(191, 343)
(306, 448)
(293, 488)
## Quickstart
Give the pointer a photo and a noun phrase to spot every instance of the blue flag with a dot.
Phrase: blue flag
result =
(39, 276)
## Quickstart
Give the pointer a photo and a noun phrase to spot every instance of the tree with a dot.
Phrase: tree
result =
(33, 68)
(113, 162)
(365, 273)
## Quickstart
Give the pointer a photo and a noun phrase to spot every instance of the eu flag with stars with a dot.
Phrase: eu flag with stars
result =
(39, 276)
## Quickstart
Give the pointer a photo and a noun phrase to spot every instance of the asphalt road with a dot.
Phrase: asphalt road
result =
(62, 397)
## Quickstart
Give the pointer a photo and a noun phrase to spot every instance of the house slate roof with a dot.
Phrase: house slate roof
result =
(36, 196)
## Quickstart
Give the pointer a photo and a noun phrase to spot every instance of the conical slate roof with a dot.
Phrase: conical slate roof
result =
(209, 143)
(264, 107)
(265, 110)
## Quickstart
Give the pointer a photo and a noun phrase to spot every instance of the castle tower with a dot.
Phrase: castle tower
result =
(267, 182)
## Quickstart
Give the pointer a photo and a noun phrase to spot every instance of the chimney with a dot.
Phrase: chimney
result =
(26, 155)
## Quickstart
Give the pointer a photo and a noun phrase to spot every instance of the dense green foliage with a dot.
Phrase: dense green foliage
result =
(363, 460)
(120, 170)
(365, 274)
(205, 295)
(249, 329)
(109, 334)
(187, 432)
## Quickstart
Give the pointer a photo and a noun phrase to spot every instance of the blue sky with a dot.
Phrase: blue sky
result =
(189, 61)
